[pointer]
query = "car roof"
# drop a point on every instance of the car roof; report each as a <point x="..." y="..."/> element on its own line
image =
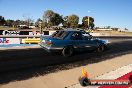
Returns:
<point x="71" y="29"/>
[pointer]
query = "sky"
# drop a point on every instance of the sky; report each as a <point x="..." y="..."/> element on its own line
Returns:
<point x="114" y="13"/>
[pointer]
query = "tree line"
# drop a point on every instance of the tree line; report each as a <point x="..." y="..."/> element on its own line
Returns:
<point x="51" y="18"/>
<point x="15" y="23"/>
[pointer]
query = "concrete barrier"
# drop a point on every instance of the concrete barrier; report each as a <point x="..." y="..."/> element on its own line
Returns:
<point x="35" y="39"/>
<point x="38" y="36"/>
<point x="33" y="36"/>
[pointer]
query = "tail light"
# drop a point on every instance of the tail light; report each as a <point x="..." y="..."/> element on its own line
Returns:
<point x="49" y="43"/>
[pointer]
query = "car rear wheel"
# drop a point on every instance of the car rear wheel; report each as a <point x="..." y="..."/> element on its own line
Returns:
<point x="67" y="51"/>
<point x="101" y="48"/>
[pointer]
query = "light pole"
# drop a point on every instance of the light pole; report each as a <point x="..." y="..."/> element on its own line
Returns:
<point x="88" y="19"/>
<point x="88" y="22"/>
<point x="40" y="27"/>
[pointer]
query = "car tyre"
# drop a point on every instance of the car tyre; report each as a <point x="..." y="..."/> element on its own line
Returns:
<point x="67" y="51"/>
<point x="101" y="48"/>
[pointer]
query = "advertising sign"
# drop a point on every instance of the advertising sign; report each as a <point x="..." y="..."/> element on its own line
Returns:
<point x="1" y="31"/>
<point x="34" y="33"/>
<point x="31" y="41"/>
<point x="24" y="32"/>
<point x="4" y="40"/>
<point x="7" y="32"/>
<point x="14" y="40"/>
<point x="9" y="41"/>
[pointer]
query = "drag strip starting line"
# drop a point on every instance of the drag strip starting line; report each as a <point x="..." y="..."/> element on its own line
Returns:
<point x="120" y="73"/>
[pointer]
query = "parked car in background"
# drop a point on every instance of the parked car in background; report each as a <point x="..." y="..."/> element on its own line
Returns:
<point x="68" y="41"/>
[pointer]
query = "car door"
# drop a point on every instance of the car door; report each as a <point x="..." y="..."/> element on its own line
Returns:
<point x="89" y="43"/>
<point x="78" y="41"/>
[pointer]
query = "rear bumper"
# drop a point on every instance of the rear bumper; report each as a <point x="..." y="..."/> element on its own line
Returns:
<point x="51" y="49"/>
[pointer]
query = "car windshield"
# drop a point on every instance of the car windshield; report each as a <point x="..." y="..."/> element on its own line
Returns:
<point x="59" y="34"/>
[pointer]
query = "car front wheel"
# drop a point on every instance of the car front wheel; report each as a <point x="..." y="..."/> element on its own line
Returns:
<point x="67" y="51"/>
<point x="101" y="48"/>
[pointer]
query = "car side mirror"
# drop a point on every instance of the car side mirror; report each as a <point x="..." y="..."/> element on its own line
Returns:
<point x="90" y="37"/>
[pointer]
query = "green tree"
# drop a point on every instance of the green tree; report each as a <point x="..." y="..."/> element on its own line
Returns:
<point x="44" y="24"/>
<point x="65" y="22"/>
<point x="48" y="14"/>
<point x="29" y="22"/>
<point x="2" y="21"/>
<point x="37" y="22"/>
<point x="126" y="29"/>
<point x="56" y="19"/>
<point x="52" y="18"/>
<point x="80" y="26"/>
<point x="9" y="22"/>
<point x="49" y="24"/>
<point x="15" y="23"/>
<point x="108" y="27"/>
<point x="71" y="21"/>
<point x="85" y="22"/>
<point x="18" y="22"/>
<point x="88" y="22"/>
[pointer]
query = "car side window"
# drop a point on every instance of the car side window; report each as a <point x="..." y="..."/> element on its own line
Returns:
<point x="77" y="36"/>
<point x="86" y="36"/>
<point x="60" y="34"/>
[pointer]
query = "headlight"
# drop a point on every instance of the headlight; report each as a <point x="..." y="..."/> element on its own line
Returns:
<point x="107" y="41"/>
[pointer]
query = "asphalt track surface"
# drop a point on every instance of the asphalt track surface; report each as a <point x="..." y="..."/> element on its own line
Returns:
<point x="27" y="63"/>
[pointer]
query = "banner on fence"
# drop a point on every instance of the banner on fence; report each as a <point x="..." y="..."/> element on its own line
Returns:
<point x="30" y="41"/>
<point x="7" y="32"/>
<point x="9" y="41"/>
